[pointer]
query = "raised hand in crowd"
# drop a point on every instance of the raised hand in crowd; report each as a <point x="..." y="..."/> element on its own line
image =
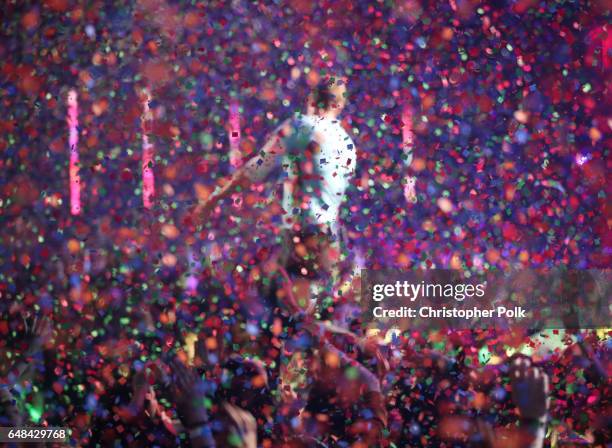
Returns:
<point x="232" y="425"/>
<point x="530" y="393"/>
<point x="39" y="331"/>
<point x="190" y="401"/>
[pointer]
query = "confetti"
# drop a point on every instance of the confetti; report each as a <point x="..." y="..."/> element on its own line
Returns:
<point x="478" y="132"/>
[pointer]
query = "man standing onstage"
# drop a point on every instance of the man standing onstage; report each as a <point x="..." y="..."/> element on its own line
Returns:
<point x="314" y="158"/>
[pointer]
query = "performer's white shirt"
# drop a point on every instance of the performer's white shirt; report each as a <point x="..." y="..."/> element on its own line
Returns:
<point x="333" y="165"/>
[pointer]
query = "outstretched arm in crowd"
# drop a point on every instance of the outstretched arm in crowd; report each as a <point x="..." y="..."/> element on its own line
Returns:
<point x="39" y="331"/>
<point x="189" y="390"/>
<point x="144" y="401"/>
<point x="373" y="419"/>
<point x="190" y="397"/>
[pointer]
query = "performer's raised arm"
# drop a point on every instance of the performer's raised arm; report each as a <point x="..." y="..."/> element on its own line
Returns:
<point x="257" y="169"/>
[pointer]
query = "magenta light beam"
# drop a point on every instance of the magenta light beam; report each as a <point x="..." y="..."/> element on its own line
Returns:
<point x="148" y="179"/>
<point x="234" y="134"/>
<point x="73" y="141"/>
<point x="407" y="147"/>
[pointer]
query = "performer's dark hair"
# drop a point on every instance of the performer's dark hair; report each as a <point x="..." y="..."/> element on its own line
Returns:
<point x="322" y="95"/>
